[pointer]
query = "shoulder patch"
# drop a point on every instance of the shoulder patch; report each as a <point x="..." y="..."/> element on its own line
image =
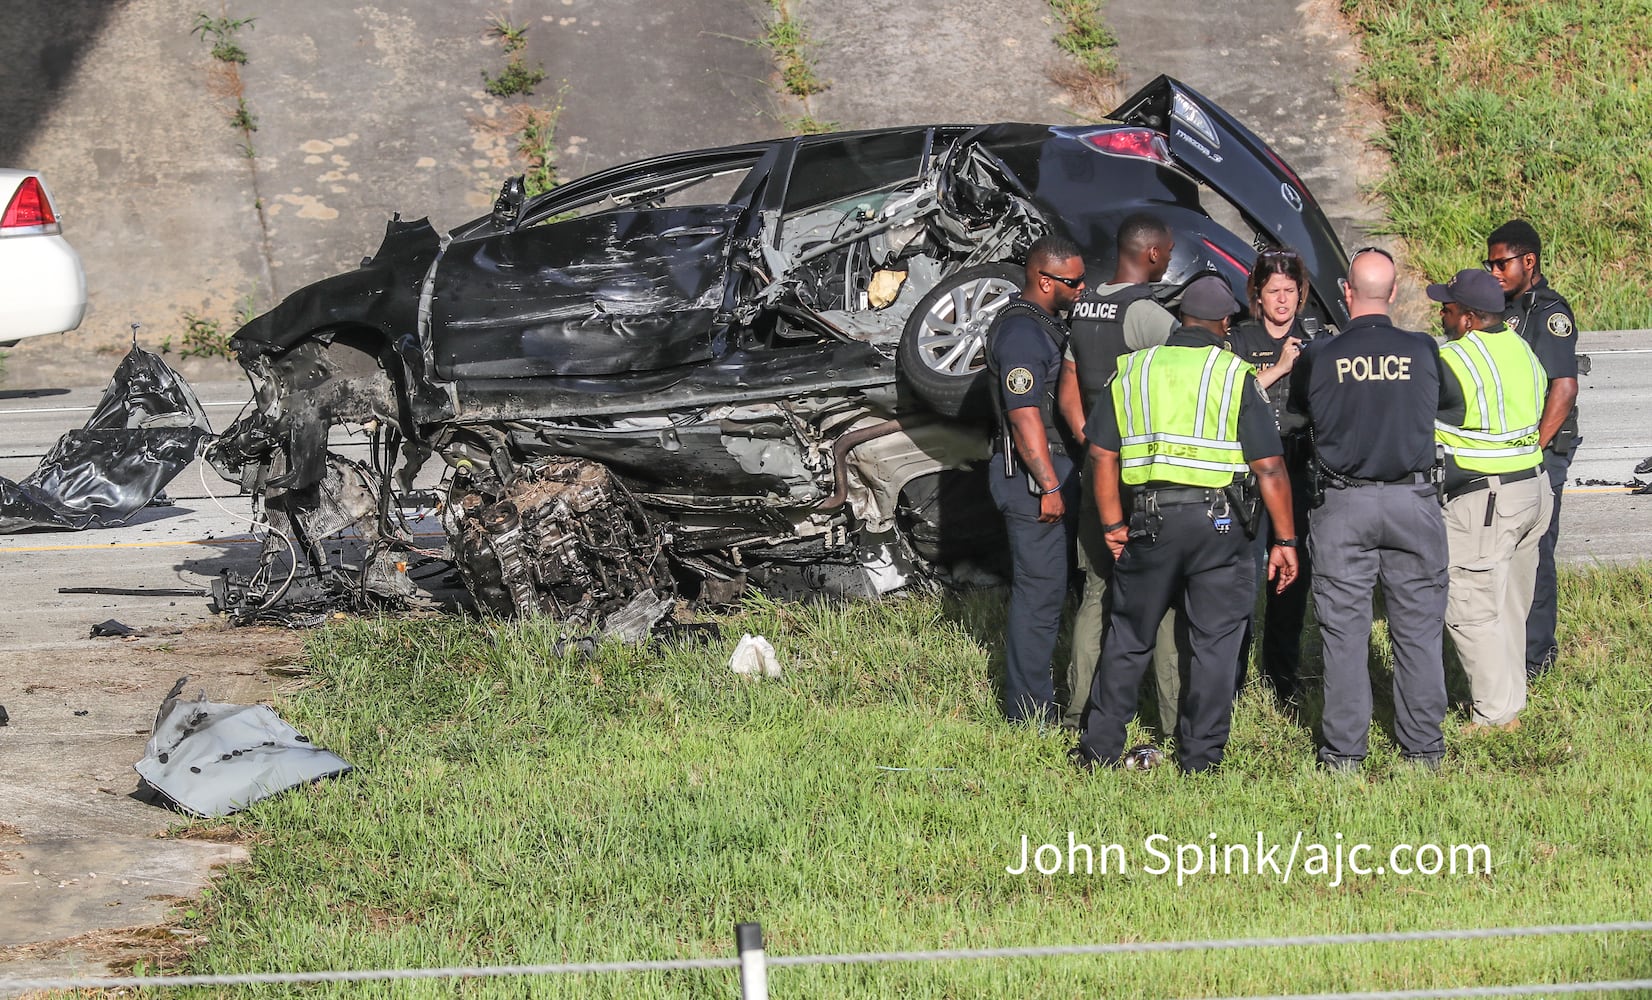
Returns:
<point x="1019" y="381"/>
<point x="1560" y="325"/>
<point x="1514" y="323"/>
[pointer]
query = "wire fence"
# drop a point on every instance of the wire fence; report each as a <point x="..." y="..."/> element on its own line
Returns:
<point x="754" y="963"/>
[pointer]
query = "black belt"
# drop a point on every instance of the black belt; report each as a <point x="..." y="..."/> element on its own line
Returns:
<point x="1353" y="482"/>
<point x="1171" y="495"/>
<point x="1484" y="482"/>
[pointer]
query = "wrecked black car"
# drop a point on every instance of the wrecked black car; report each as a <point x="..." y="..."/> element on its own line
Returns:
<point x="752" y="365"/>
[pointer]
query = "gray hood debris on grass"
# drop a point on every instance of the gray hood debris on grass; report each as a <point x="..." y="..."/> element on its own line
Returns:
<point x="214" y="759"/>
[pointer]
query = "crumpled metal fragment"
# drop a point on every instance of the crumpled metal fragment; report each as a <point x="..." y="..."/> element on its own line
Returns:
<point x="145" y="430"/>
<point x="215" y="759"/>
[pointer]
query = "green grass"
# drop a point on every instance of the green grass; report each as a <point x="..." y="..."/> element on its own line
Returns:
<point x="1085" y="36"/>
<point x="219" y="32"/>
<point x="511" y="806"/>
<point x="204" y="337"/>
<point x="789" y="42"/>
<point x="516" y="78"/>
<point x="1533" y="108"/>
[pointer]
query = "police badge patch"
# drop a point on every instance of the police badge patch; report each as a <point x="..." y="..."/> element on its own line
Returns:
<point x="1560" y="325"/>
<point x="1019" y="381"/>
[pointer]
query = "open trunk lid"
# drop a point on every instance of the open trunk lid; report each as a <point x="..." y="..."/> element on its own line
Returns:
<point x="1211" y="145"/>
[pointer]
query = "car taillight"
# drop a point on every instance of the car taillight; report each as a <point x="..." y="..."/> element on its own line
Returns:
<point x="1143" y="143"/>
<point x="29" y="210"/>
<point x="1227" y="257"/>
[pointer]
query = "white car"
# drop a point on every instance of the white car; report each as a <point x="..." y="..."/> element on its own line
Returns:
<point x="42" y="286"/>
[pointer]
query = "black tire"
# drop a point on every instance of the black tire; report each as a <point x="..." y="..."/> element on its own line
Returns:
<point x="942" y="354"/>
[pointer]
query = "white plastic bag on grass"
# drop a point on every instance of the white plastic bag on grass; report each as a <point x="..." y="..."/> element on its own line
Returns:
<point x="754" y="656"/>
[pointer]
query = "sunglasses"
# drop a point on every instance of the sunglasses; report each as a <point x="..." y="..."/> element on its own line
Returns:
<point x="1498" y="263"/>
<point x="1278" y="255"/>
<point x="1365" y="250"/>
<point x="1074" y="283"/>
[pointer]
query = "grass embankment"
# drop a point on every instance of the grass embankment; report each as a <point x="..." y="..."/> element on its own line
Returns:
<point x="1533" y="108"/>
<point x="513" y="807"/>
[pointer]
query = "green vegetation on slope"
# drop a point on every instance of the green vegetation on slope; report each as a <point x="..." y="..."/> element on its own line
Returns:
<point x="1533" y="108"/>
<point x="513" y="806"/>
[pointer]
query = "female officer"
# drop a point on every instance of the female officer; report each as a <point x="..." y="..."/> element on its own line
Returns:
<point x="1271" y="340"/>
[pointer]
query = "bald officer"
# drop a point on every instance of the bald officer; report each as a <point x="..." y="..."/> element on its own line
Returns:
<point x="1370" y="395"/>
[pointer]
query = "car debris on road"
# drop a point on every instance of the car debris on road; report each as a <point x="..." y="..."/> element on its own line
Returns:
<point x="146" y="428"/>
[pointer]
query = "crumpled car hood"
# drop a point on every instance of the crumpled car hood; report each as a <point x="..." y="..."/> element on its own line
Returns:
<point x="215" y="759"/>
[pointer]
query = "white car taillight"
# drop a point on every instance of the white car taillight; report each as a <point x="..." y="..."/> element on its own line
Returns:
<point x="30" y="212"/>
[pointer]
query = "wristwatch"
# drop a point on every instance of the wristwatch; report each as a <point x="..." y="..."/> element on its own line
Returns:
<point x="1108" y="529"/>
<point x="1054" y="489"/>
<point x="1285" y="543"/>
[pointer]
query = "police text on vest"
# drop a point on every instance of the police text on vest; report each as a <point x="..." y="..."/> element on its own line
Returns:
<point x="1373" y="368"/>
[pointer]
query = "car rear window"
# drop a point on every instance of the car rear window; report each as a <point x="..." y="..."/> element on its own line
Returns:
<point x="841" y="167"/>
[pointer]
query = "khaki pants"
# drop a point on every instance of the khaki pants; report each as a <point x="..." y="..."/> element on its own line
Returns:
<point x="1493" y="574"/>
<point x="1091" y="620"/>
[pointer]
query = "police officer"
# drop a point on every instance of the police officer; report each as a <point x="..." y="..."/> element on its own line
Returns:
<point x="1370" y="395"/>
<point x="1031" y="477"/>
<point x="1514" y="256"/>
<point x="1180" y="425"/>
<point x="1497" y="506"/>
<point x="1271" y="340"/>
<point x="1107" y="322"/>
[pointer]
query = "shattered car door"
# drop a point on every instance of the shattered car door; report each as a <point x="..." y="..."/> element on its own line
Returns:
<point x="619" y="291"/>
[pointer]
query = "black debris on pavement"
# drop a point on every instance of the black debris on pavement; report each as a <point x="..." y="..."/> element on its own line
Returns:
<point x="82" y="713"/>
<point x="5" y="717"/>
<point x="145" y="430"/>
<point x="112" y="629"/>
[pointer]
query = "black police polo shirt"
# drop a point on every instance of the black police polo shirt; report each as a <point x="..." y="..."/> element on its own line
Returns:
<point x="1370" y="394"/>
<point x="1252" y="342"/>
<point x="1543" y="317"/>
<point x="1028" y="362"/>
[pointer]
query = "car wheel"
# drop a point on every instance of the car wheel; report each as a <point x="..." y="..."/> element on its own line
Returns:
<point x="942" y="352"/>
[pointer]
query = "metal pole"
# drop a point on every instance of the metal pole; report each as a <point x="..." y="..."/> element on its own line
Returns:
<point x="754" y="970"/>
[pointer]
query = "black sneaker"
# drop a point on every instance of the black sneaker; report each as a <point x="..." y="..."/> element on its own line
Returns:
<point x="1143" y="758"/>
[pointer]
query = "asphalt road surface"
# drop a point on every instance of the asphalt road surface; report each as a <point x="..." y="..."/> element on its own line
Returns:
<point x="176" y="551"/>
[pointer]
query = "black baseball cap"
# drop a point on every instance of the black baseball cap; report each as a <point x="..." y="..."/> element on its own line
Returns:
<point x="1210" y="297"/>
<point x="1472" y="288"/>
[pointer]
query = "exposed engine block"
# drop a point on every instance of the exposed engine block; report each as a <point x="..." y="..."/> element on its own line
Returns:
<point x="564" y="538"/>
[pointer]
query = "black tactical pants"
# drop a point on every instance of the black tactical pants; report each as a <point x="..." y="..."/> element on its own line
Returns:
<point x="1213" y="573"/>
<point x="1039" y="555"/>
<point x="1541" y="647"/>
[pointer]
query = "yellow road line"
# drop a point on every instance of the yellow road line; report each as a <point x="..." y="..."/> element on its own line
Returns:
<point x="130" y="545"/>
<point x="227" y="540"/>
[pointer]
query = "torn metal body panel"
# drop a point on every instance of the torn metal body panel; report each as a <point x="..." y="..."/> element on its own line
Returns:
<point x="146" y="428"/>
<point x="753" y="365"/>
<point x="215" y="759"/>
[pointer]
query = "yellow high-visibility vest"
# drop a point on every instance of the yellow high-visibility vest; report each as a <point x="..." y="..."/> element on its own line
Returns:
<point x="1178" y="415"/>
<point x="1503" y="388"/>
